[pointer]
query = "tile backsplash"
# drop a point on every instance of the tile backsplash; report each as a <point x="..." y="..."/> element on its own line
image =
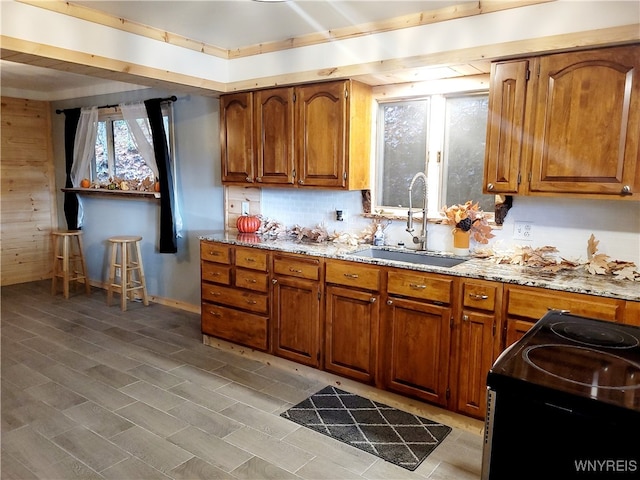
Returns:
<point x="565" y="223"/>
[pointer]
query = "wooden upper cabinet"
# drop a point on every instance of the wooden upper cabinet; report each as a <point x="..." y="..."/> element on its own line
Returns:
<point x="566" y="124"/>
<point x="315" y="135"/>
<point x="587" y="123"/>
<point x="236" y="137"/>
<point x="321" y="125"/>
<point x="274" y="117"/>
<point x="505" y="128"/>
<point x="333" y="125"/>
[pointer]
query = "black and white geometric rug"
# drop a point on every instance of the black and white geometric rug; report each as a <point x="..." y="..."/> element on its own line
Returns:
<point x="391" y="434"/>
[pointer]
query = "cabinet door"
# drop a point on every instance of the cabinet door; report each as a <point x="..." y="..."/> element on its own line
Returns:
<point x="476" y="355"/>
<point x="505" y="128"/>
<point x="417" y="349"/>
<point x="587" y="125"/>
<point x="236" y="137"/>
<point x="296" y="320"/>
<point x="351" y="339"/>
<point x="274" y="116"/>
<point x="321" y="126"/>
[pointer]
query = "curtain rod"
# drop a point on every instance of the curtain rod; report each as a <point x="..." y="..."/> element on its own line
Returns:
<point x="172" y="98"/>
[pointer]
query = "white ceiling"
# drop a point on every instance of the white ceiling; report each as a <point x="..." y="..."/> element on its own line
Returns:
<point x="227" y="24"/>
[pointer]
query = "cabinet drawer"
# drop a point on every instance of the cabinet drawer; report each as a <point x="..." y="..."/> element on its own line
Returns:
<point x="297" y="267"/>
<point x="214" y="272"/>
<point x="534" y="304"/>
<point x="480" y="295"/>
<point x="233" y="297"/>
<point x="238" y="327"/>
<point x="352" y="274"/>
<point x="252" y="258"/>
<point x="215" y="252"/>
<point x="425" y="287"/>
<point x="252" y="280"/>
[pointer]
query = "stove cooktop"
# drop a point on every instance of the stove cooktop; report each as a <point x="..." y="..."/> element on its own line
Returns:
<point x="577" y="355"/>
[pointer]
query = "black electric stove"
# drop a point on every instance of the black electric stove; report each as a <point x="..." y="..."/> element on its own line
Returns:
<point x="563" y="402"/>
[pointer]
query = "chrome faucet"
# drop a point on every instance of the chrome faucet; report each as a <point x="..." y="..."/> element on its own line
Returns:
<point x="422" y="239"/>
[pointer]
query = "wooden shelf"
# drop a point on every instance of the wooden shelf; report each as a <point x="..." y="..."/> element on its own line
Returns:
<point x="110" y="193"/>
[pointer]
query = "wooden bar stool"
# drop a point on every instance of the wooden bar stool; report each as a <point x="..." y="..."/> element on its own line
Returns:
<point x="125" y="255"/>
<point x="68" y="261"/>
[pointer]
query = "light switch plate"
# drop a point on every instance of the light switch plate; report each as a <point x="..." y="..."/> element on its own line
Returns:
<point x="523" y="231"/>
<point x="245" y="208"/>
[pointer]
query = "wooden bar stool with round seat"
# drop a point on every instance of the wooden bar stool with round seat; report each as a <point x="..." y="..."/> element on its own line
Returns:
<point x="68" y="261"/>
<point x="125" y="256"/>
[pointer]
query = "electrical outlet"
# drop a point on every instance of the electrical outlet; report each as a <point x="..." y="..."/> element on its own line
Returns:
<point x="245" y="208"/>
<point x="523" y="231"/>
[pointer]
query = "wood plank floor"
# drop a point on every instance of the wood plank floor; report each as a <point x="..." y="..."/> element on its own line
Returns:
<point x="91" y="392"/>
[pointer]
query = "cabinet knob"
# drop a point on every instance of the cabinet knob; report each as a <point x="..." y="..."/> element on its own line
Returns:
<point x="465" y="318"/>
<point x="249" y="180"/>
<point x="372" y="300"/>
<point x="490" y="186"/>
<point x="626" y="190"/>
<point x="258" y="179"/>
<point x="389" y="302"/>
<point x="300" y="182"/>
<point x="274" y="281"/>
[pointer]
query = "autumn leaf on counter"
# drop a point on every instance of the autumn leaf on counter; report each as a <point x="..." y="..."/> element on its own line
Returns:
<point x="627" y="273"/>
<point x="592" y="246"/>
<point x="598" y="264"/>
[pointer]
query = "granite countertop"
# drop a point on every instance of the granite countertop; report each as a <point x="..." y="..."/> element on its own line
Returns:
<point x="578" y="280"/>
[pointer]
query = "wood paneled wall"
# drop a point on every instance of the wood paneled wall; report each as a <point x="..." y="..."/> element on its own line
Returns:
<point x="28" y="205"/>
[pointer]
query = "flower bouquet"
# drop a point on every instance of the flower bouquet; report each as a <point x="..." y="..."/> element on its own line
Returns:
<point x="468" y="217"/>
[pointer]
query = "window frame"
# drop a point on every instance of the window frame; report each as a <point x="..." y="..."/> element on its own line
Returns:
<point x="114" y="114"/>
<point x="438" y="90"/>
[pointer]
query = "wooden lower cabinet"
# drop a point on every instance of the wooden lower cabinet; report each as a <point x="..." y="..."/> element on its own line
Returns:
<point x="416" y="357"/>
<point x="351" y="338"/>
<point x="524" y="306"/>
<point x="234" y="286"/>
<point x="296" y="309"/>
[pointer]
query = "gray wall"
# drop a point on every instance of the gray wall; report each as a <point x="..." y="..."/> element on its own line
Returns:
<point x="170" y="276"/>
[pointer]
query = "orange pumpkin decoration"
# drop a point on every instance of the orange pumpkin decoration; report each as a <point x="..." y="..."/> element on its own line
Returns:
<point x="156" y="186"/>
<point x="85" y="183"/>
<point x="248" y="223"/>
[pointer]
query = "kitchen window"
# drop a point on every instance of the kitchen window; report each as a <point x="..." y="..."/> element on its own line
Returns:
<point x="440" y="135"/>
<point x="116" y="153"/>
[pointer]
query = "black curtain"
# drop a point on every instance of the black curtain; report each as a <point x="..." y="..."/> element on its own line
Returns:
<point x="71" y="119"/>
<point x="167" y="197"/>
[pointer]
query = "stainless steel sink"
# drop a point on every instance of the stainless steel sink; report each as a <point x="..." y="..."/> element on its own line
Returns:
<point x="421" y="258"/>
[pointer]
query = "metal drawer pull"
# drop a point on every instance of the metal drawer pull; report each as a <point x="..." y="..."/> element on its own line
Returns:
<point x="351" y="275"/>
<point x="215" y="314"/>
<point x="417" y="286"/>
<point x="559" y="310"/>
<point x="250" y="280"/>
<point x="389" y="302"/>
<point x="215" y="294"/>
<point x="477" y="296"/>
<point x="249" y="259"/>
<point x="215" y="274"/>
<point x="372" y="300"/>
<point x="465" y="318"/>
<point x="251" y="302"/>
<point x="215" y="254"/>
<point x="293" y="270"/>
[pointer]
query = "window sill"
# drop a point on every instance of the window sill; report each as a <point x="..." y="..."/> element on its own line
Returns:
<point x="112" y="193"/>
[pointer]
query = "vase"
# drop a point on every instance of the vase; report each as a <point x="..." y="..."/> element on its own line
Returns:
<point x="461" y="242"/>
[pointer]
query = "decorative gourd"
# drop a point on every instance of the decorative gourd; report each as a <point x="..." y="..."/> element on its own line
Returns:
<point x="248" y="223"/>
<point x="85" y="183"/>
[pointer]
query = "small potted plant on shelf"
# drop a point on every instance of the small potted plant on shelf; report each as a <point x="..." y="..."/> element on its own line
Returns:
<point x="469" y="222"/>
